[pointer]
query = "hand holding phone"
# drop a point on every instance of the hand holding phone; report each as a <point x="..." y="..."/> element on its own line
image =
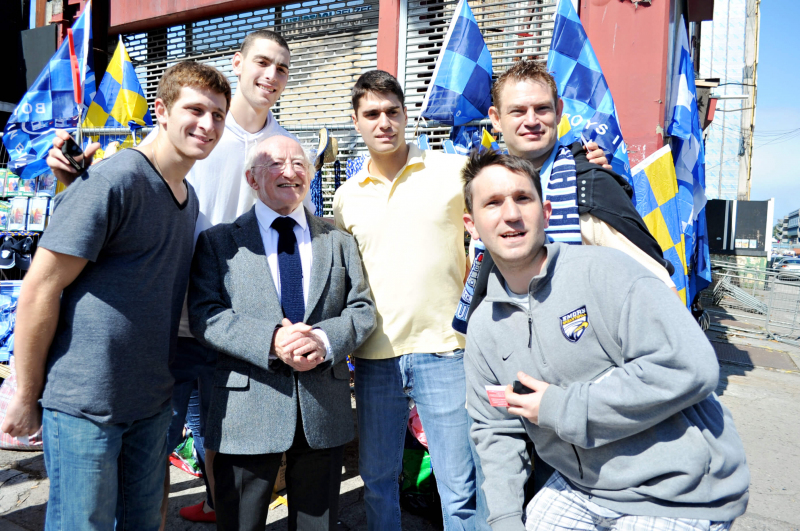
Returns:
<point x="74" y="154"/>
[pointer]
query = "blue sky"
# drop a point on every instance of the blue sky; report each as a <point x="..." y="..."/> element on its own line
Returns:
<point x="776" y="168"/>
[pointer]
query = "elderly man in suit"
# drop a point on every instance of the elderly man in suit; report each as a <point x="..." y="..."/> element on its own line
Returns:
<point x="283" y="297"/>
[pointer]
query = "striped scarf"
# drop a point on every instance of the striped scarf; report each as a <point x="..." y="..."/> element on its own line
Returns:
<point x="562" y="192"/>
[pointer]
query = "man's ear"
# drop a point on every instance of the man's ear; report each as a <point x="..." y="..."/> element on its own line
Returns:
<point x="559" y="110"/>
<point x="355" y="123"/>
<point x="494" y="116"/>
<point x="237" y="60"/>
<point x="547" y="211"/>
<point x="469" y="224"/>
<point x="162" y="114"/>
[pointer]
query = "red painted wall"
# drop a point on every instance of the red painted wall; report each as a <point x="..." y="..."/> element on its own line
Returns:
<point x="388" y="35"/>
<point x="129" y="16"/>
<point x="632" y="46"/>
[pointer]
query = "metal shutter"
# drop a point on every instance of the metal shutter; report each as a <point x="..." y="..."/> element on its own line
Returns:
<point x="512" y="30"/>
<point x="332" y="43"/>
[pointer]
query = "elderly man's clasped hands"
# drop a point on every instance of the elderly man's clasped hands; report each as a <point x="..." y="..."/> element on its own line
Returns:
<point x="297" y="346"/>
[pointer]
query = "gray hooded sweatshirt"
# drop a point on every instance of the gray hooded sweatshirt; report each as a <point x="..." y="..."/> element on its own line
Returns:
<point x="630" y="417"/>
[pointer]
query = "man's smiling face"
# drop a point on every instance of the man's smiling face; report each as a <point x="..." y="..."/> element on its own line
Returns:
<point x="281" y="173"/>
<point x="262" y="73"/>
<point x="195" y="122"/>
<point x="528" y="117"/>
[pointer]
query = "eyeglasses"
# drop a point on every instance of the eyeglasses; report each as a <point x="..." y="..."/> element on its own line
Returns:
<point x="278" y="167"/>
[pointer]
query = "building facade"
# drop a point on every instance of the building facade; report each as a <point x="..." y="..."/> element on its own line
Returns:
<point x="729" y="53"/>
<point x="790" y="229"/>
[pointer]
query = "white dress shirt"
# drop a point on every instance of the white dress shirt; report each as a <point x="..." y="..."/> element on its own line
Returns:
<point x="269" y="236"/>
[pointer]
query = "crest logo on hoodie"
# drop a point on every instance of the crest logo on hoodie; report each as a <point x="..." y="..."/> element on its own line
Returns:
<point x="574" y="324"/>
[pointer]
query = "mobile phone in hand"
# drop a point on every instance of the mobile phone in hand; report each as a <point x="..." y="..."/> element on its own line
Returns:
<point x="521" y="389"/>
<point x="74" y="154"/>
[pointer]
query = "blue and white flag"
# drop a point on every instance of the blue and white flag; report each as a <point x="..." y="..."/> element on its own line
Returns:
<point x="689" y="154"/>
<point x="459" y="91"/>
<point x="50" y="103"/>
<point x="589" y="111"/>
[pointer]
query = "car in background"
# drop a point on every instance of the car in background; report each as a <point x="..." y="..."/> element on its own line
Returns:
<point x="788" y="269"/>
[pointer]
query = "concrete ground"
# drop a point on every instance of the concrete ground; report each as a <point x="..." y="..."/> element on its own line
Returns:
<point x="765" y="403"/>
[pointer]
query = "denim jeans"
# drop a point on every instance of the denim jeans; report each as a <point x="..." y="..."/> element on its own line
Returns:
<point x="104" y="476"/>
<point x="437" y="385"/>
<point x="193" y="369"/>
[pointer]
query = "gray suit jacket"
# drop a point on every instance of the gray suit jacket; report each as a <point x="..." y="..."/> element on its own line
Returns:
<point x="234" y="308"/>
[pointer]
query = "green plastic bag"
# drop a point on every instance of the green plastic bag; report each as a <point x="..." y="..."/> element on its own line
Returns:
<point x="417" y="476"/>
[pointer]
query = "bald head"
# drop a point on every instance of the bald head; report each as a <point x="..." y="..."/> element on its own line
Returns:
<point x="279" y="172"/>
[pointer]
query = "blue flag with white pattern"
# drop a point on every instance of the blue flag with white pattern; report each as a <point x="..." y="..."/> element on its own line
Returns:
<point x="589" y="110"/>
<point x="689" y="154"/>
<point x="459" y="91"/>
<point x="50" y="103"/>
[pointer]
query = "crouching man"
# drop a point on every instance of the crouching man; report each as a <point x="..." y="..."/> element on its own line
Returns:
<point x="283" y="297"/>
<point x="616" y="379"/>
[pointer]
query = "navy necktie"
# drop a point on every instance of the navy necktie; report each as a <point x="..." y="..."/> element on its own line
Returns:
<point x="291" y="270"/>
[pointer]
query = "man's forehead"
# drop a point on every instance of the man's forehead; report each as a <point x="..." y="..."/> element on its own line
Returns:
<point x="379" y="101"/>
<point x="201" y="96"/>
<point x="525" y="92"/>
<point x="497" y="178"/>
<point x="268" y="49"/>
<point x="279" y="147"/>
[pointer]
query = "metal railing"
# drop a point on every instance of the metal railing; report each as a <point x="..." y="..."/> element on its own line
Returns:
<point x="767" y="301"/>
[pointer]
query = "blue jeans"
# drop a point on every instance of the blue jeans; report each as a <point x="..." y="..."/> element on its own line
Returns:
<point x="437" y="385"/>
<point x="104" y="476"/>
<point x="193" y="369"/>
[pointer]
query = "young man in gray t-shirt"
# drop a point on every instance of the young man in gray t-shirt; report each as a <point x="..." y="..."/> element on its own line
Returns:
<point x="99" y="310"/>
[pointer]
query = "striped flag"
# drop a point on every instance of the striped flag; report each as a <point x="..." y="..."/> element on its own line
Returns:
<point x="689" y="153"/>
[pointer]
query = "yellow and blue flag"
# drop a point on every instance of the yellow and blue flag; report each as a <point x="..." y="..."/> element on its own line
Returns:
<point x="689" y="151"/>
<point x="459" y="91"/>
<point x="589" y="110"/>
<point x="655" y="190"/>
<point x="465" y="138"/>
<point x="488" y="141"/>
<point x="119" y="99"/>
<point x="50" y="102"/>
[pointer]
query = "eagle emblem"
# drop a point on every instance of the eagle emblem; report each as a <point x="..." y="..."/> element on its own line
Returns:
<point x="574" y="324"/>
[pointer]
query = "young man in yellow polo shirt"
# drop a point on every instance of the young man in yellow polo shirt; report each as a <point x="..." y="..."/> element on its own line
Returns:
<point x="405" y="210"/>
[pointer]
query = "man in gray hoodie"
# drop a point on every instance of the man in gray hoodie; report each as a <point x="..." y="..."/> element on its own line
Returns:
<point x="616" y="379"/>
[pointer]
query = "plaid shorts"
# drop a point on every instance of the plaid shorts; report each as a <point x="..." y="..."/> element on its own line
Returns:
<point x="558" y="507"/>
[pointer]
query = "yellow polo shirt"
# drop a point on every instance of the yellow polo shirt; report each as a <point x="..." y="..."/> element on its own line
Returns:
<point x="411" y="236"/>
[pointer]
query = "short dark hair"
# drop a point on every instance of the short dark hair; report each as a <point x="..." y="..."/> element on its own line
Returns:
<point x="479" y="160"/>
<point x="262" y="34"/>
<point x="194" y="75"/>
<point x="524" y="70"/>
<point x="378" y="82"/>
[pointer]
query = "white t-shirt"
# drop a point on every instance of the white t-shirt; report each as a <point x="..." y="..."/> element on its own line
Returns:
<point x="519" y="298"/>
<point x="220" y="183"/>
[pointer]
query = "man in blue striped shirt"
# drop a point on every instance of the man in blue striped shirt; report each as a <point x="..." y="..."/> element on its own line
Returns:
<point x="591" y="204"/>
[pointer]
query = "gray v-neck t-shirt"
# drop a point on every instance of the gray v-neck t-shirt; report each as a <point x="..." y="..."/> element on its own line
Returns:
<point x="118" y="320"/>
